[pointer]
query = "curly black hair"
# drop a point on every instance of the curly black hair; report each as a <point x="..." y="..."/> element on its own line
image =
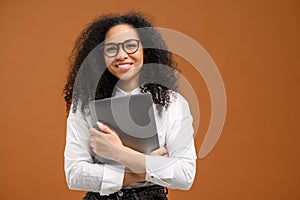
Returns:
<point x="88" y="78"/>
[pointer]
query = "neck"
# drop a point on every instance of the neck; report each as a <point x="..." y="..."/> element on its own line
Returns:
<point x="127" y="86"/>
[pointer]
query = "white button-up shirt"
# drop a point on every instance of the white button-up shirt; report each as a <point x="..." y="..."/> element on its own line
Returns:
<point x="175" y="133"/>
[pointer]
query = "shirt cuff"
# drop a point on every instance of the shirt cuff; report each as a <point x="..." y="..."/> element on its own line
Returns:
<point x="112" y="180"/>
<point x="159" y="169"/>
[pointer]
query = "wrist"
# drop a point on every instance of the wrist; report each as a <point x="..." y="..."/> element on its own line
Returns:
<point x="132" y="159"/>
<point x="122" y="154"/>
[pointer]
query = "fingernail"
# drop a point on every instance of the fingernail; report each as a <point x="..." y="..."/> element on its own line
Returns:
<point x="99" y="124"/>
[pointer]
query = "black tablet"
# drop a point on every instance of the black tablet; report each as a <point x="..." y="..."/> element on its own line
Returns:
<point x="132" y="117"/>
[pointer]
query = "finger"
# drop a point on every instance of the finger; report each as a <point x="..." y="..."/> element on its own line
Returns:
<point x="152" y="153"/>
<point x="162" y="151"/>
<point x="95" y="132"/>
<point x="102" y="127"/>
<point x="157" y="152"/>
<point x="105" y="128"/>
<point x="92" y="134"/>
<point x="166" y="155"/>
<point x="92" y="143"/>
<point x="92" y="139"/>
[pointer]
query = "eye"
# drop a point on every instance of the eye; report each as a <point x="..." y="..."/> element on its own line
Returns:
<point x="131" y="45"/>
<point x="110" y="48"/>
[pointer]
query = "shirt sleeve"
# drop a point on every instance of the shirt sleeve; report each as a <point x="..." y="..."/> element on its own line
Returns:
<point x="80" y="170"/>
<point x="178" y="170"/>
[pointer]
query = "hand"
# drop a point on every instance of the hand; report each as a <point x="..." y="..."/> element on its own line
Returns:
<point x="105" y="143"/>
<point x="162" y="151"/>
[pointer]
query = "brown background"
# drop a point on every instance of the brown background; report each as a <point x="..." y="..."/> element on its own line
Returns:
<point x="255" y="45"/>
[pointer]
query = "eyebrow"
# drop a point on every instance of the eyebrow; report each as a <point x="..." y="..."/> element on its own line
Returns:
<point x="111" y="42"/>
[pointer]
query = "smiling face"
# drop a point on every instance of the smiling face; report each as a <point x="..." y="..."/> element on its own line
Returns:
<point x="126" y="63"/>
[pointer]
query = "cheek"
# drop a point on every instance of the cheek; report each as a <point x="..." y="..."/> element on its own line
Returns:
<point x="108" y="61"/>
<point x="140" y="57"/>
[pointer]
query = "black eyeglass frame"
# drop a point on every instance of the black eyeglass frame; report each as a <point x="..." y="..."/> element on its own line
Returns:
<point x="123" y="47"/>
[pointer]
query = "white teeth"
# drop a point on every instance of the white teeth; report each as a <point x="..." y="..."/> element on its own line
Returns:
<point x="124" y="66"/>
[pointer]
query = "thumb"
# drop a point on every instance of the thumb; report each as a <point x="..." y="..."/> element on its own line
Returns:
<point x="104" y="128"/>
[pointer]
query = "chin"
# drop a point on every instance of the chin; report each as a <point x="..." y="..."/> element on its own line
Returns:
<point x="126" y="76"/>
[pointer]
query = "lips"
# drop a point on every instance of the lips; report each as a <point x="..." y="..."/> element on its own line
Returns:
<point x="123" y="66"/>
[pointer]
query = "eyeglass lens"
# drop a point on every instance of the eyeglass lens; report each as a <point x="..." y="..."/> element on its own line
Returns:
<point x="129" y="46"/>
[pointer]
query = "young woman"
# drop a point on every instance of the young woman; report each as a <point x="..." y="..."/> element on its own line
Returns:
<point x="119" y="55"/>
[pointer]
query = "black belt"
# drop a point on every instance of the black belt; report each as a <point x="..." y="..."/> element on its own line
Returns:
<point x="156" y="191"/>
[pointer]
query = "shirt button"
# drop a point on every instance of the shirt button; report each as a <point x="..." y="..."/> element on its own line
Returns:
<point x="120" y="193"/>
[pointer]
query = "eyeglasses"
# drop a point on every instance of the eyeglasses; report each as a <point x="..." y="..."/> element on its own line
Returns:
<point x="129" y="46"/>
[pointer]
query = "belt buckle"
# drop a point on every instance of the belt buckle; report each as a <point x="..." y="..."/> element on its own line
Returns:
<point x="120" y="193"/>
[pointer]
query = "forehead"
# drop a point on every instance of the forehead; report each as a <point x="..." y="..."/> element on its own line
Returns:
<point x="120" y="33"/>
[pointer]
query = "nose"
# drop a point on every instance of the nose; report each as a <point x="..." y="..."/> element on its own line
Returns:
<point x="121" y="54"/>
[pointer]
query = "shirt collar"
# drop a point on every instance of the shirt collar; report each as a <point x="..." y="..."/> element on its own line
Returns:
<point x="119" y="92"/>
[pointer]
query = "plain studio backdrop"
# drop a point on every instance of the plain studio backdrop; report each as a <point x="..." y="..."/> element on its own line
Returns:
<point x="255" y="45"/>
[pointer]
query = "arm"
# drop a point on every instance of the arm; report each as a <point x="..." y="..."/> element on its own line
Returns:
<point x="107" y="144"/>
<point x="130" y="177"/>
<point x="80" y="170"/>
<point x="177" y="171"/>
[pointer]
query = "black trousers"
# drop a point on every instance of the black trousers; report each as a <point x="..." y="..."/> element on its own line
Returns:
<point x="153" y="192"/>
